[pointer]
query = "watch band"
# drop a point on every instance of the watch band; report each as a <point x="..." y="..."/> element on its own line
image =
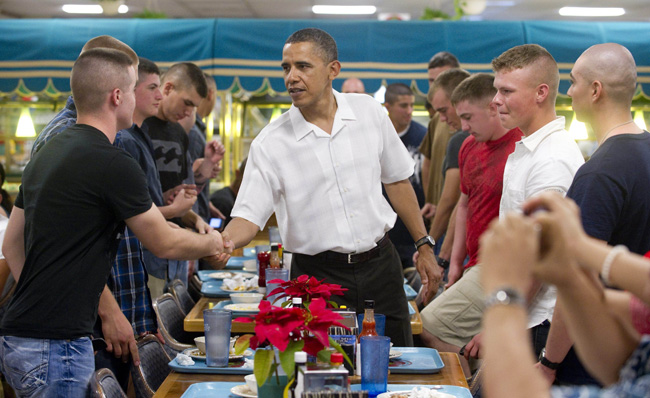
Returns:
<point x="544" y="361"/>
<point x="426" y="240"/>
<point x="504" y="296"/>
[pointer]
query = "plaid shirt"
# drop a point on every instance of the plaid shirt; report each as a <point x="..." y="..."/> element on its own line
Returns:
<point x="128" y="278"/>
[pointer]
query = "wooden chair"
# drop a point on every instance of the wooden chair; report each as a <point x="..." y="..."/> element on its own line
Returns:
<point x="153" y="368"/>
<point x="103" y="384"/>
<point x="170" y="322"/>
<point x="180" y="293"/>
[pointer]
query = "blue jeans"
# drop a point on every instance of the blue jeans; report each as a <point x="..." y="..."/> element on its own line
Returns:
<point x="47" y="368"/>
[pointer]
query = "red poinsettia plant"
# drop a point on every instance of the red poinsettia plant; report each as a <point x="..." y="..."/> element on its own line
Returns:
<point x="307" y="288"/>
<point x="289" y="330"/>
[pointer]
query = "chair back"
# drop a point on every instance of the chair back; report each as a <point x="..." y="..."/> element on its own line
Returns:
<point x="179" y="291"/>
<point x="103" y="384"/>
<point x="153" y="368"/>
<point x="194" y="288"/>
<point x="170" y="322"/>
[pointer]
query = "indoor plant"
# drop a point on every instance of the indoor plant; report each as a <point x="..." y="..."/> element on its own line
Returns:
<point x="289" y="330"/>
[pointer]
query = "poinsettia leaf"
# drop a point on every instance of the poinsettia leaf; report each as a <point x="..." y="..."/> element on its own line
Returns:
<point x="287" y="357"/>
<point x="262" y="365"/>
<point x="324" y="356"/>
<point x="242" y="343"/>
<point x="338" y="348"/>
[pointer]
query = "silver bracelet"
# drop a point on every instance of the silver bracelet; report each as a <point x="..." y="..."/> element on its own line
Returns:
<point x="607" y="264"/>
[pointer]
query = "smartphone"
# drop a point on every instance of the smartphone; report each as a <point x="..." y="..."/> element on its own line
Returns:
<point x="99" y="344"/>
<point x="216" y="223"/>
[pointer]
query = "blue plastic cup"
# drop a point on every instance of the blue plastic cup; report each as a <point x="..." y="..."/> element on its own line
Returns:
<point x="380" y="323"/>
<point x="375" y="351"/>
<point x="217" y="337"/>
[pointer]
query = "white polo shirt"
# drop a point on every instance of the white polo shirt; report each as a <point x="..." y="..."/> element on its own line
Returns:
<point x="546" y="160"/>
<point x="325" y="189"/>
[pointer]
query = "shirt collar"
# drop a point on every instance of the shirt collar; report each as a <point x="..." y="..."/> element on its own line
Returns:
<point x="302" y="128"/>
<point x="532" y="141"/>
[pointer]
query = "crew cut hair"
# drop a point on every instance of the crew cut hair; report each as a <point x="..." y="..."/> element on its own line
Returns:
<point x="321" y="39"/>
<point x="393" y="91"/>
<point x="106" y="41"/>
<point x="448" y="81"/>
<point x="443" y="58"/>
<point x="147" y="67"/>
<point x="95" y="74"/>
<point x="545" y="69"/>
<point x="476" y="88"/>
<point x="186" y="75"/>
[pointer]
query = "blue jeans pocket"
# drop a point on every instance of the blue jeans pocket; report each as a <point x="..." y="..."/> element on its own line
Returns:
<point x="25" y="363"/>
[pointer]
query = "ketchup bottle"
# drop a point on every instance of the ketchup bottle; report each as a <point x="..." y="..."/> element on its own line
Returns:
<point x="262" y="265"/>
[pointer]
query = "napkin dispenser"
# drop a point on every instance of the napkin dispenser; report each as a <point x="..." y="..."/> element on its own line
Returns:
<point x="319" y="380"/>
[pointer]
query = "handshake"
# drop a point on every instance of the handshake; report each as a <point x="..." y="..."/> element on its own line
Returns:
<point x="542" y="243"/>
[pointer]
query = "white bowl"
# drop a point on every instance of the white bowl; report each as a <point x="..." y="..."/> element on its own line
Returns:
<point x="250" y="265"/>
<point x="200" y="343"/>
<point x="246" y="298"/>
<point x="251" y="383"/>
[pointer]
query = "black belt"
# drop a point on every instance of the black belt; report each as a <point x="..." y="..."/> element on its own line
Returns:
<point x="352" y="258"/>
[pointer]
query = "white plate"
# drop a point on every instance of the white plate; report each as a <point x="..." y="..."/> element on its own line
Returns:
<point x="196" y="354"/>
<point x="242" y="290"/>
<point x="226" y="274"/>
<point x="394" y="354"/>
<point x="243" y="307"/>
<point x="407" y="393"/>
<point x="243" y="391"/>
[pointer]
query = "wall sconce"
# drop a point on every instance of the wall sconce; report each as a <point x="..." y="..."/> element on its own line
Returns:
<point x="578" y="130"/>
<point x="639" y="119"/>
<point x="25" y="125"/>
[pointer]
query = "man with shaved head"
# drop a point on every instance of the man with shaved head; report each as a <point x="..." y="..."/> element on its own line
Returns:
<point x="353" y="85"/>
<point x="612" y="187"/>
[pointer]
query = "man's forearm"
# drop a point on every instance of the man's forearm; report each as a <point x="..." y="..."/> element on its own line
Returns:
<point x="405" y="203"/>
<point x="240" y="231"/>
<point x="459" y="248"/>
<point x="508" y="352"/>
<point x="448" y="243"/>
<point x="602" y="343"/>
<point x="107" y="305"/>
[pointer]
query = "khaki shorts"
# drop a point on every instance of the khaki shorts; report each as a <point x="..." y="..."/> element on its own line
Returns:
<point x="455" y="316"/>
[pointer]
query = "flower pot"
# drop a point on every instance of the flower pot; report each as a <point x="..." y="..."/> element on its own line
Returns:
<point x="271" y="388"/>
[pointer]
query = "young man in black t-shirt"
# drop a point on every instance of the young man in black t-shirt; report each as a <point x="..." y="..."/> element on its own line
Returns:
<point x="76" y="194"/>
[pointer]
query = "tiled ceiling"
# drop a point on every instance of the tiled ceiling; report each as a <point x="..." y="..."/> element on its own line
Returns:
<point x="636" y="10"/>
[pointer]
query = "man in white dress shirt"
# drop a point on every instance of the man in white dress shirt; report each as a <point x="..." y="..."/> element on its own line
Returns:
<point x="546" y="159"/>
<point x="320" y="167"/>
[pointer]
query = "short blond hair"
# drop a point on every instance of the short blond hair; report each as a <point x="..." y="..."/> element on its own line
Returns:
<point x="95" y="74"/>
<point x="476" y="88"/>
<point x="106" y="41"/>
<point x="531" y="56"/>
<point x="447" y="81"/>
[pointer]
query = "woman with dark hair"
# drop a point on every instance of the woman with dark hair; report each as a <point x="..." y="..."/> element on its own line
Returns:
<point x="6" y="204"/>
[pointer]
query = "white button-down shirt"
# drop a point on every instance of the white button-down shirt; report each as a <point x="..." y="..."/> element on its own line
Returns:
<point x="325" y="188"/>
<point x="546" y="160"/>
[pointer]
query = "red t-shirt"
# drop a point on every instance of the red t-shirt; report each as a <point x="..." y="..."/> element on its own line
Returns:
<point x="481" y="179"/>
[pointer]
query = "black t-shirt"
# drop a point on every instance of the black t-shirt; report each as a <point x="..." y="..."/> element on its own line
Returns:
<point x="76" y="192"/>
<point x="170" y="144"/>
<point x="612" y="191"/>
<point x="453" y="148"/>
<point x="224" y="200"/>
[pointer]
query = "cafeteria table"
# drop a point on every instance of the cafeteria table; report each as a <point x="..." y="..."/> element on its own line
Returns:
<point x="452" y="374"/>
<point x="194" y="320"/>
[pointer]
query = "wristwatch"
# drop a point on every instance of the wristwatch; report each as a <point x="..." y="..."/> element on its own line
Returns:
<point x="504" y="296"/>
<point x="544" y="361"/>
<point x="427" y="240"/>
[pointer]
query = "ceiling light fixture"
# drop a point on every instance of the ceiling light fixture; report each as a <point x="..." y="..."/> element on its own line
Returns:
<point x="83" y="8"/>
<point x="344" y="10"/>
<point x="123" y="9"/>
<point x="592" y="11"/>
